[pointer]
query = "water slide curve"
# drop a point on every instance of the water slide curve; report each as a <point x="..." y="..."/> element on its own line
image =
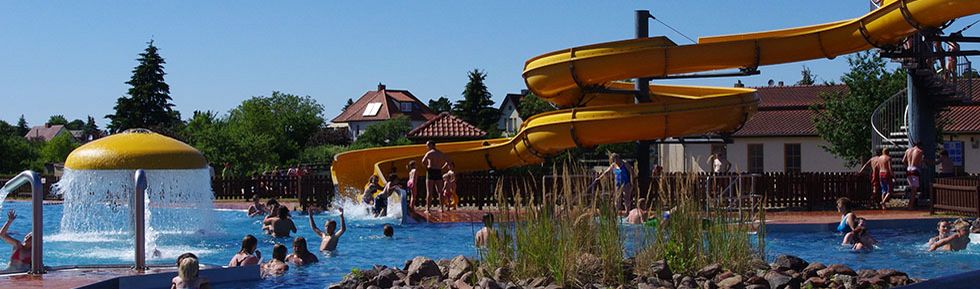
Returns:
<point x="584" y="80"/>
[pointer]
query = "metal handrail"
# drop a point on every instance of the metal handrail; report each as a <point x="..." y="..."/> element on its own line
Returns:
<point x="139" y="220"/>
<point x="877" y="116"/>
<point x="37" y="215"/>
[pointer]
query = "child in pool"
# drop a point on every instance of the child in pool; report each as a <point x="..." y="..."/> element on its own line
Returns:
<point x="860" y="238"/>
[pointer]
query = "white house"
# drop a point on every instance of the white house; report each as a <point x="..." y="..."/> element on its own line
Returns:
<point x="380" y="105"/>
<point x="510" y="119"/>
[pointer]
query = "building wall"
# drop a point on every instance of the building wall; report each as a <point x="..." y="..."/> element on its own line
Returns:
<point x="813" y="158"/>
<point x="971" y="151"/>
<point x="356" y="128"/>
<point x="509" y="112"/>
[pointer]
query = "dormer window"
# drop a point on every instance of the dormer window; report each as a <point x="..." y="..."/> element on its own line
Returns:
<point x="406" y="106"/>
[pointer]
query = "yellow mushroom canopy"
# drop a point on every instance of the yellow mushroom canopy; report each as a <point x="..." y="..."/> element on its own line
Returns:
<point x="135" y="149"/>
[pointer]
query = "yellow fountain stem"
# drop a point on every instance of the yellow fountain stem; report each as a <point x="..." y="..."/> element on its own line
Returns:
<point x="135" y="149"/>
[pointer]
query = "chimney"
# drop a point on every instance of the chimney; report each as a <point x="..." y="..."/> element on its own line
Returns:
<point x="780" y="83"/>
<point x="738" y="83"/>
<point x="47" y="125"/>
<point x="381" y="86"/>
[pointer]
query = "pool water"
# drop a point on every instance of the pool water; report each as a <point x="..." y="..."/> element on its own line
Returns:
<point x="363" y="246"/>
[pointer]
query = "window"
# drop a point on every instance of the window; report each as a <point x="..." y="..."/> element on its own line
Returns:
<point x="755" y="158"/>
<point x="372" y="109"/>
<point x="513" y="124"/>
<point x="405" y="106"/>
<point x="791" y="154"/>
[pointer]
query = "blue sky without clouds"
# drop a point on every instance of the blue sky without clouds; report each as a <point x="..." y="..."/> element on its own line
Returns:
<point x="73" y="57"/>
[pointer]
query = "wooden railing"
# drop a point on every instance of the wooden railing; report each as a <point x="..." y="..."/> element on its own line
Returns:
<point x="808" y="191"/>
<point x="960" y="195"/>
<point x="306" y="188"/>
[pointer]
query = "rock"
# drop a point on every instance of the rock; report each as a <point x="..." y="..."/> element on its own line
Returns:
<point x="708" y="284"/>
<point x="849" y="281"/>
<point x="898" y="280"/>
<point x="815" y="282"/>
<point x="373" y="287"/>
<point x="778" y="280"/>
<point x="458" y="266"/>
<point x="501" y="274"/>
<point x="422" y="268"/>
<point x="553" y="286"/>
<point x="885" y="273"/>
<point x="731" y="282"/>
<point x="644" y="286"/>
<point x="724" y="275"/>
<point x="758" y="264"/>
<point x="385" y="278"/>
<point x="397" y="283"/>
<point x="791" y="262"/>
<point x="811" y="270"/>
<point x="757" y="280"/>
<point x="335" y="286"/>
<point x="756" y="286"/>
<point x="407" y="264"/>
<point x="709" y="271"/>
<point x="836" y="269"/>
<point x="688" y="281"/>
<point x="466" y="278"/>
<point x="540" y="282"/>
<point x="865" y="273"/>
<point x="443" y="266"/>
<point x="487" y="283"/>
<point x="661" y="270"/>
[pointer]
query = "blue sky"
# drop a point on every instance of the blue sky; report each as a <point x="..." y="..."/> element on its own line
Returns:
<point x="73" y="57"/>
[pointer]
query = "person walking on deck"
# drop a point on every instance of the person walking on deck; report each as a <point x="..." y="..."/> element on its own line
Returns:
<point x="434" y="160"/>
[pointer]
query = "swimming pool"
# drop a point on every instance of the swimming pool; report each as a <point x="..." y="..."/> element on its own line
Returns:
<point x="363" y="246"/>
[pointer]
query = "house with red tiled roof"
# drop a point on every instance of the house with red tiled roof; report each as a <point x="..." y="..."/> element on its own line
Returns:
<point x="445" y="127"/>
<point x="46" y="132"/>
<point x="781" y="136"/>
<point x="380" y="105"/>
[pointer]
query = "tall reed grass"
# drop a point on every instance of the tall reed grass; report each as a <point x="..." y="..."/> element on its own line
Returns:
<point x="570" y="230"/>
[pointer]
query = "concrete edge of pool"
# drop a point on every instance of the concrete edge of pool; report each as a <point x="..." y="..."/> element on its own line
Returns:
<point x="113" y="277"/>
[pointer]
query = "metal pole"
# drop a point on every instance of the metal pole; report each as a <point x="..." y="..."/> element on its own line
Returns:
<point x="139" y="219"/>
<point x="37" y="223"/>
<point x="642" y="96"/>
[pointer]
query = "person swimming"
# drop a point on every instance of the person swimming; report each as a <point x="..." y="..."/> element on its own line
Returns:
<point x="277" y="266"/>
<point x="329" y="239"/>
<point x="256" y="209"/>
<point x="860" y="239"/>
<point x="848" y="221"/>
<point x="637" y="215"/>
<point x="956" y="241"/>
<point x="20" y="258"/>
<point x="247" y="255"/>
<point x="389" y="231"/>
<point x="301" y="256"/>
<point x="942" y="229"/>
<point x="187" y="275"/>
<point x="381" y="201"/>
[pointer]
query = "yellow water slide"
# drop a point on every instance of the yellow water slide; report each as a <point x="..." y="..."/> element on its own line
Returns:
<point x="583" y="80"/>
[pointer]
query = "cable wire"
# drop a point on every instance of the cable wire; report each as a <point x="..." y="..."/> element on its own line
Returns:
<point x="672" y="28"/>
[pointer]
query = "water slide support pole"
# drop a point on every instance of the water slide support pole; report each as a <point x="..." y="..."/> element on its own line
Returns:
<point x="642" y="96"/>
<point x="139" y="220"/>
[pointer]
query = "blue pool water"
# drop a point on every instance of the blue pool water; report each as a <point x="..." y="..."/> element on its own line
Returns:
<point x="363" y="246"/>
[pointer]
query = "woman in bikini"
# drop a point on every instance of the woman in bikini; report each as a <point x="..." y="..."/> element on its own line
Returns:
<point x="20" y="259"/>
<point x="247" y="255"/>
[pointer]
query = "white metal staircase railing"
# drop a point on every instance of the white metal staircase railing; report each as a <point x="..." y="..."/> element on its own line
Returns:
<point x="889" y="117"/>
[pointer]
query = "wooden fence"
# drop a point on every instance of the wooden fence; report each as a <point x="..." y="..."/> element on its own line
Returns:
<point x="306" y="188"/>
<point x="807" y="191"/>
<point x="960" y="195"/>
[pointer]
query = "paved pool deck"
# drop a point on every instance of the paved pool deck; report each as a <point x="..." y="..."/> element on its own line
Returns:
<point x="70" y="278"/>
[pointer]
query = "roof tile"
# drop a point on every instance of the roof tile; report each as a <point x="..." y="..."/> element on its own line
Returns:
<point x="445" y="126"/>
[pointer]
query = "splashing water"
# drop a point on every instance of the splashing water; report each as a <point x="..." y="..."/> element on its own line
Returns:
<point x="99" y="202"/>
<point x="3" y="196"/>
<point x="356" y="210"/>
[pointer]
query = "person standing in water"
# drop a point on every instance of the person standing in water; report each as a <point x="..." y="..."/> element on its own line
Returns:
<point x="20" y="258"/>
<point x="381" y="201"/>
<point x="256" y="209"/>
<point x="434" y="160"/>
<point x="187" y="275"/>
<point x="483" y="235"/>
<point x="301" y="256"/>
<point x="637" y="215"/>
<point x="277" y="266"/>
<point x="330" y="238"/>
<point x="281" y="225"/>
<point x="623" y="175"/>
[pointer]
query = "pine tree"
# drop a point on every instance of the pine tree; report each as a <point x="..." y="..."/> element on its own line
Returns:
<point x="476" y="107"/>
<point x="808" y="77"/>
<point x="22" y="128"/>
<point x="149" y="103"/>
<point x="91" y="129"/>
<point x="349" y="103"/>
